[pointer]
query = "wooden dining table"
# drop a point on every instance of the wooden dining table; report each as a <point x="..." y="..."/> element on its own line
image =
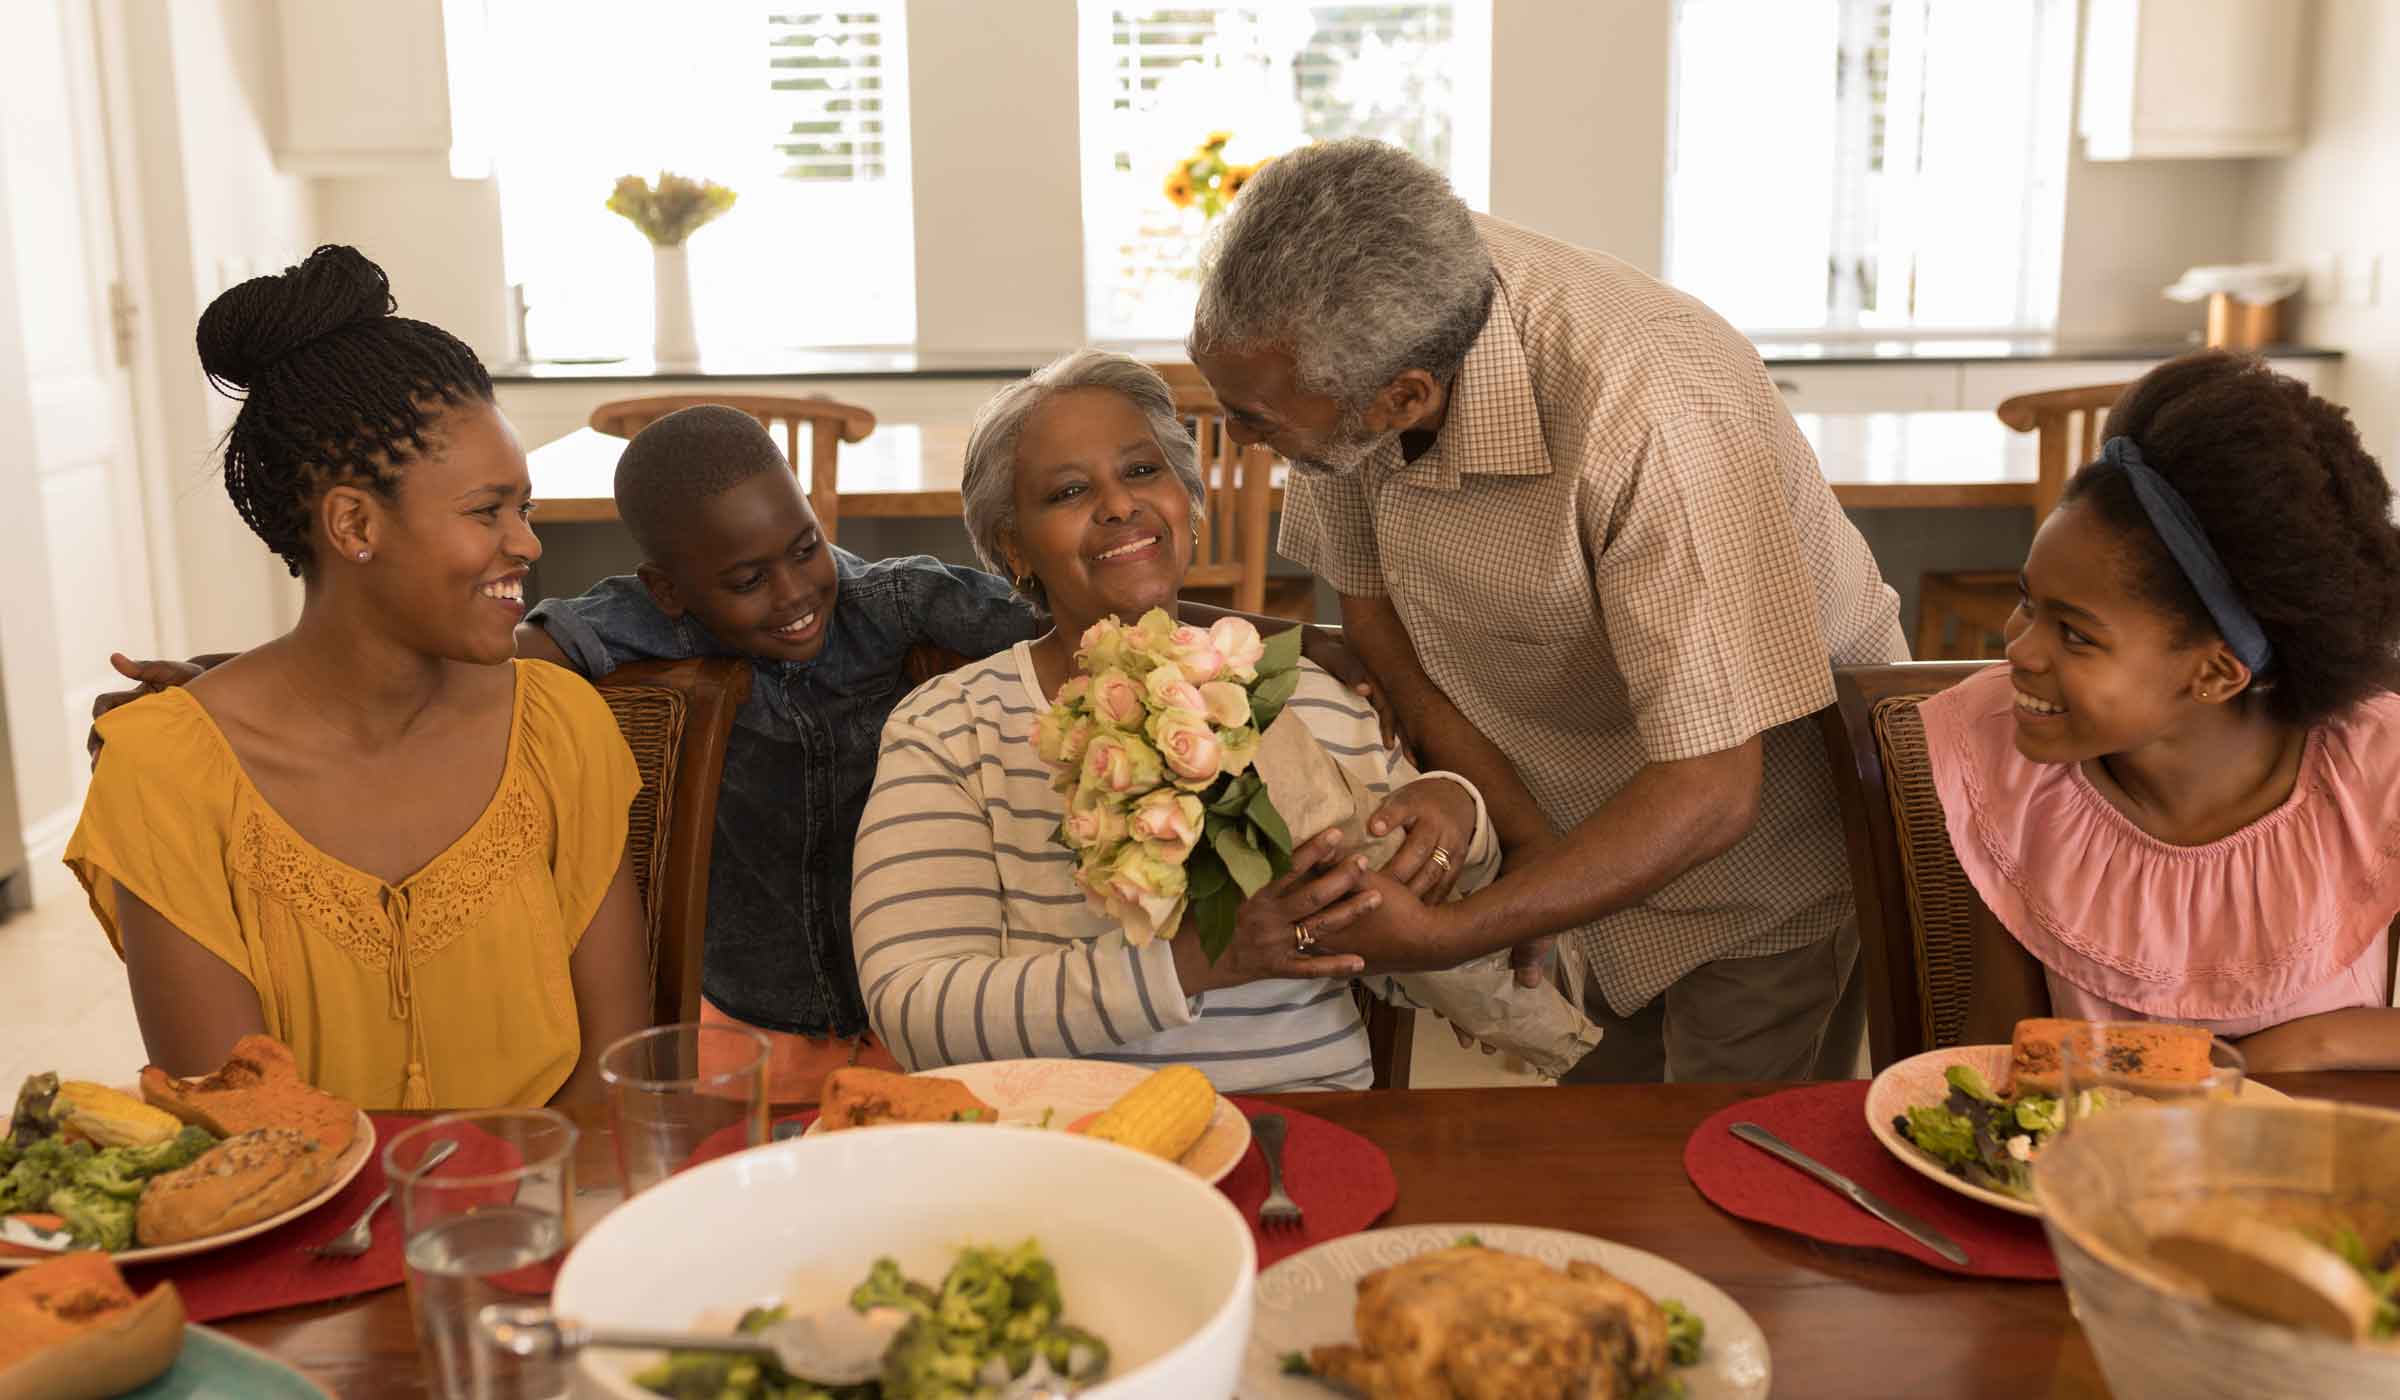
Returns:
<point x="908" y="470"/>
<point x="1604" y="1160"/>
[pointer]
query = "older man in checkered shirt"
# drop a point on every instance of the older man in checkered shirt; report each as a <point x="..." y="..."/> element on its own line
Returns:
<point x="1595" y="564"/>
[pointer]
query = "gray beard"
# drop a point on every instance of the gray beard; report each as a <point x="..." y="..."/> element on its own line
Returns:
<point x="1345" y="449"/>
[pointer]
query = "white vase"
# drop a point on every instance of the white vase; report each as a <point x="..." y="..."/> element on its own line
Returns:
<point x="674" y="342"/>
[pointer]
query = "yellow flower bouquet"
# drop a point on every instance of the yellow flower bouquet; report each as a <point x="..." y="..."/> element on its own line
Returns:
<point x="1205" y="179"/>
<point x="670" y="209"/>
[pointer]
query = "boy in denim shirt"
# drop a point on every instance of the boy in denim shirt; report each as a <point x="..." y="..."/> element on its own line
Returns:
<point x="735" y="565"/>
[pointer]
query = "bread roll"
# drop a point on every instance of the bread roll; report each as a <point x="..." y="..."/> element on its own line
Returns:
<point x="240" y="1181"/>
<point x="259" y="1087"/>
<point x="71" y="1330"/>
<point x="2140" y="1052"/>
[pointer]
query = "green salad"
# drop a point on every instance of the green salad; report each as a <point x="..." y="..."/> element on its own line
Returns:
<point x="1981" y="1138"/>
<point x="2382" y="1275"/>
<point x="997" y="1313"/>
<point x="93" y="1191"/>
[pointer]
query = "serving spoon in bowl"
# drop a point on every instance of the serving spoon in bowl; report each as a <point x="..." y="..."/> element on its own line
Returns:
<point x="835" y="1346"/>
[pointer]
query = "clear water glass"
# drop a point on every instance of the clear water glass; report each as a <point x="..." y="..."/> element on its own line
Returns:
<point x="2094" y="1077"/>
<point x="674" y="1089"/>
<point x="490" y="1225"/>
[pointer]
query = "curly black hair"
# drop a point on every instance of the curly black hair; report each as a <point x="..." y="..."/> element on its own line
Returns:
<point x="2293" y="504"/>
<point x="683" y="459"/>
<point x="335" y="389"/>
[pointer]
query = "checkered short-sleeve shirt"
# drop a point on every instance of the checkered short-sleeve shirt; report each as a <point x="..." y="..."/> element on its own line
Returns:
<point x="1620" y="551"/>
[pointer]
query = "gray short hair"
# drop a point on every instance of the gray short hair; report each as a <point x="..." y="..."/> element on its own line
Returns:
<point x="988" y="486"/>
<point x="1353" y="257"/>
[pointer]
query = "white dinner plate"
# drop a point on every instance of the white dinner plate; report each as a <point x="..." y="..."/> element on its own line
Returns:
<point x="1918" y="1080"/>
<point x="1064" y="1092"/>
<point x="352" y="1161"/>
<point x="1310" y="1299"/>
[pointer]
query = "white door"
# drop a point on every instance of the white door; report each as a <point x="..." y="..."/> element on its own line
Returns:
<point x="78" y="342"/>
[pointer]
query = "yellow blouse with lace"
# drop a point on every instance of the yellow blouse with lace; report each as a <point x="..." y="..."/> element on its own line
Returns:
<point x="447" y="990"/>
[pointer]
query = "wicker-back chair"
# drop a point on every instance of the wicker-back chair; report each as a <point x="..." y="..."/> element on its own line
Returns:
<point x="1391" y="1030"/>
<point x="675" y="716"/>
<point x="1916" y="908"/>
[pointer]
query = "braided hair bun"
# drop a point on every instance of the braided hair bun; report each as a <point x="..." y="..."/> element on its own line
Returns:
<point x="335" y="389"/>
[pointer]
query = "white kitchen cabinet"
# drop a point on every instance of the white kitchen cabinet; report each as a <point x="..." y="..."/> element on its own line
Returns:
<point x="1892" y="388"/>
<point x="379" y="88"/>
<point x="2191" y="78"/>
<point x="1982" y="387"/>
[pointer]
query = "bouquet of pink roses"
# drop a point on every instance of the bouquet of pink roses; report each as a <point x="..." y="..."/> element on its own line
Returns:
<point x="1155" y="745"/>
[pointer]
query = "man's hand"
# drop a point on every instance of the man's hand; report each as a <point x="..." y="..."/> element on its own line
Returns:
<point x="1531" y="959"/>
<point x="1337" y="660"/>
<point x="1401" y="933"/>
<point x="149" y="677"/>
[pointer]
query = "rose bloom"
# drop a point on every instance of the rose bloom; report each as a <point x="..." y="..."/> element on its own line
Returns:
<point x="1238" y="643"/>
<point x="1145" y="894"/>
<point x="1169" y="822"/>
<point x="1167" y="689"/>
<point x="1197" y="655"/>
<point x="1118" y="700"/>
<point x="1102" y="646"/>
<point x="1093" y="819"/>
<point x="1227" y="705"/>
<point x="1075" y="692"/>
<point x="1121" y="763"/>
<point x="1189" y="747"/>
<point x="1238" y="748"/>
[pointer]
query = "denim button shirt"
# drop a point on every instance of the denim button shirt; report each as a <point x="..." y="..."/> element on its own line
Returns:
<point x="798" y="766"/>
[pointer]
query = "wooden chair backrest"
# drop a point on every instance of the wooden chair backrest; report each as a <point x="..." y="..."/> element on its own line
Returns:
<point x="1238" y="483"/>
<point x="676" y="717"/>
<point x="925" y="661"/>
<point x="1916" y="907"/>
<point x="830" y="424"/>
<point x="2066" y="425"/>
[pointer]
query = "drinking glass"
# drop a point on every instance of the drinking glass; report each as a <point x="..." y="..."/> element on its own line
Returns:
<point x="674" y="1089"/>
<point x="2095" y="1077"/>
<point x="489" y="1225"/>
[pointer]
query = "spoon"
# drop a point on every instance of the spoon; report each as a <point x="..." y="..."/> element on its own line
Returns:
<point x="837" y="1346"/>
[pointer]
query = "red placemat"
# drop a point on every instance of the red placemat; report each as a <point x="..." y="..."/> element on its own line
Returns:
<point x="1828" y="1122"/>
<point x="1343" y="1182"/>
<point x="274" y="1270"/>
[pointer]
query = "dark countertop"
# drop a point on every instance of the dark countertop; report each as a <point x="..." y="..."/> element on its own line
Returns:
<point x="899" y="362"/>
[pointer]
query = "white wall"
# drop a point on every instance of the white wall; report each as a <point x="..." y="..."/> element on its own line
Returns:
<point x="439" y="241"/>
<point x="2133" y="227"/>
<point x="1580" y="122"/>
<point x="215" y="211"/>
<point x="2341" y="196"/>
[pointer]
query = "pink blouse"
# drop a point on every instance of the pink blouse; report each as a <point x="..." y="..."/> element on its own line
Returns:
<point x="2285" y="918"/>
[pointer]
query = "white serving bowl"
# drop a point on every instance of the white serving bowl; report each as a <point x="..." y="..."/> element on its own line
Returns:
<point x="1150" y="1258"/>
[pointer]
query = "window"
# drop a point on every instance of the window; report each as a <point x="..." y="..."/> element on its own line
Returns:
<point x="1157" y="80"/>
<point x="1871" y="166"/>
<point x="802" y="112"/>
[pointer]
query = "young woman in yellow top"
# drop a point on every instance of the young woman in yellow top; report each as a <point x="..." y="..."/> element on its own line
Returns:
<point x="378" y="837"/>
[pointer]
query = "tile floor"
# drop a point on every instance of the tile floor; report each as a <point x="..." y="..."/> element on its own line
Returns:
<point x="63" y="1006"/>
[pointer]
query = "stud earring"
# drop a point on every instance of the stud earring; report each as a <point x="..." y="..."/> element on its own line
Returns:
<point x="365" y="554"/>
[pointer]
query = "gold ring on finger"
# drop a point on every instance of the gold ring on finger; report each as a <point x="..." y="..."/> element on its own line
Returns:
<point x="1441" y="858"/>
<point x="1302" y="939"/>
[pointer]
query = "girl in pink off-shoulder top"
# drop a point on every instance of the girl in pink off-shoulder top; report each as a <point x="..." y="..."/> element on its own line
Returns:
<point x="2180" y="796"/>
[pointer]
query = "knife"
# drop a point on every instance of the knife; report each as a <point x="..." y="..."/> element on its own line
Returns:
<point x="1900" y="1220"/>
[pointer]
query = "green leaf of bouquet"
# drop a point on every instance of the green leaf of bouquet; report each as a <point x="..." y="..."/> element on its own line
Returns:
<point x="1249" y="869"/>
<point x="1282" y="652"/>
<point x="1268" y="696"/>
<point x="1262" y="814"/>
<point x="1204" y="874"/>
<point x="1236" y="795"/>
<point x="1059" y="836"/>
<point x="1214" y="916"/>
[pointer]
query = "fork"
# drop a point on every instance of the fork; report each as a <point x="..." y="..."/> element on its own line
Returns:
<point x="353" y="1242"/>
<point x="1279" y="1211"/>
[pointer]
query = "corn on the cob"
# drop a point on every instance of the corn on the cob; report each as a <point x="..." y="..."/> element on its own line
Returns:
<point x="1163" y="1115"/>
<point x="111" y="1118"/>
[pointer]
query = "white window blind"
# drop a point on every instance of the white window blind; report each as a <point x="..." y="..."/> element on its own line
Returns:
<point x="802" y="111"/>
<point x="1871" y="166"/>
<point x="1157" y="80"/>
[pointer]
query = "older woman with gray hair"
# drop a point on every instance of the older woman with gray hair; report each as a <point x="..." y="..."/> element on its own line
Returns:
<point x="973" y="940"/>
<point x="1583" y="544"/>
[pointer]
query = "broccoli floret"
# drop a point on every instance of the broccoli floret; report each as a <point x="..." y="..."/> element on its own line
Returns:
<point x="44" y="1167"/>
<point x="887" y="1287"/>
<point x="96" y="1219"/>
<point x="180" y="1150"/>
<point x="1295" y="1363"/>
<point x="110" y="1174"/>
<point x="927" y="1362"/>
<point x="8" y="1152"/>
<point x="1684" y="1333"/>
<point x="1074" y="1353"/>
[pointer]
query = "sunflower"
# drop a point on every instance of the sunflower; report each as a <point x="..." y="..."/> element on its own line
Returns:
<point x="1179" y="188"/>
<point x="1216" y="140"/>
<point x="1235" y="177"/>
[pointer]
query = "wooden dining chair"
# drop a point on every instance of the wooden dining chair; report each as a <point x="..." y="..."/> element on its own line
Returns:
<point x="925" y="661"/>
<point x="830" y="424"/>
<point x="676" y="717"/>
<point x="1229" y="568"/>
<point x="1391" y="1037"/>
<point x="1916" y="908"/>
<point x="1961" y="614"/>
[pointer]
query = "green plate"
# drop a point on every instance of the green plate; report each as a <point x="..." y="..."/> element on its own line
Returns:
<point x="214" y="1366"/>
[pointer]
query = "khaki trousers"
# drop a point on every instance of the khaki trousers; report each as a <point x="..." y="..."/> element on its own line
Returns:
<point x="1785" y="1016"/>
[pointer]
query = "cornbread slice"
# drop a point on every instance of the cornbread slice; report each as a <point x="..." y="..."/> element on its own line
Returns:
<point x="2143" y="1052"/>
<point x="259" y="1087"/>
<point x="858" y="1097"/>
<point x="240" y="1181"/>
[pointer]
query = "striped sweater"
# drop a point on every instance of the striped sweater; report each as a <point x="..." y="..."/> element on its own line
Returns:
<point x="974" y="943"/>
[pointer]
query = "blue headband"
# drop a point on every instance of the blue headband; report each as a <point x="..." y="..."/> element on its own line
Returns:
<point x="2171" y="516"/>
